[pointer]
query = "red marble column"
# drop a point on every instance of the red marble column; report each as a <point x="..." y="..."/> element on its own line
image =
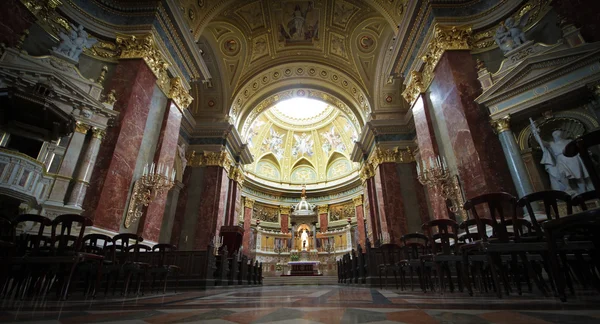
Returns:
<point x="373" y="219"/>
<point x="360" y="221"/>
<point x="323" y="220"/>
<point x="248" y="205"/>
<point x="150" y="224"/>
<point x="428" y="148"/>
<point x="480" y="160"/>
<point x="211" y="213"/>
<point x="284" y="223"/>
<point x="109" y="186"/>
<point x="181" y="205"/>
<point x="14" y="19"/>
<point x="389" y="198"/>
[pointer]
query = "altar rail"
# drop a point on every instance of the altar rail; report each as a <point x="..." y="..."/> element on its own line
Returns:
<point x="23" y="177"/>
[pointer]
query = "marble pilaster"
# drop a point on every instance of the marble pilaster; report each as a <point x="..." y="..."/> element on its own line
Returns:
<point x="182" y="201"/>
<point x="150" y="225"/>
<point x="69" y="162"/>
<point x="85" y="169"/>
<point x="166" y="229"/>
<point x="284" y="218"/>
<point x="211" y="213"/>
<point x="323" y="220"/>
<point x="389" y="199"/>
<point x="111" y="180"/>
<point x="428" y="148"/>
<point x="516" y="166"/>
<point x="360" y="220"/>
<point x="15" y="18"/>
<point x="479" y="160"/>
<point x="373" y="219"/>
<point x="248" y="206"/>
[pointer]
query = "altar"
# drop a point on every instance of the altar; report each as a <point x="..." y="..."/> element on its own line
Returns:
<point x="304" y="268"/>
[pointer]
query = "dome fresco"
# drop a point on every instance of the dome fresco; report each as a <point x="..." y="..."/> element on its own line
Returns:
<point x="301" y="141"/>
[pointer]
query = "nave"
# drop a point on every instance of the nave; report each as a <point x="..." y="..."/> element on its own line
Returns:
<point x="307" y="304"/>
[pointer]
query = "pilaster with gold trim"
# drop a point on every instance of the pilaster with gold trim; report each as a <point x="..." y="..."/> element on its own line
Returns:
<point x="512" y="153"/>
<point x="323" y="211"/>
<point x="248" y="207"/>
<point x="85" y="170"/>
<point x="284" y="218"/>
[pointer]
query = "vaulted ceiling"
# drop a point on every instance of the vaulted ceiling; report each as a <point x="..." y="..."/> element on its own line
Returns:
<point x="256" y="49"/>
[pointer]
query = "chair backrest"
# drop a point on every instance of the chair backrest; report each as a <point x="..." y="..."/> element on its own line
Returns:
<point x="62" y="227"/>
<point x="120" y="245"/>
<point x="471" y="229"/>
<point x="501" y="206"/>
<point x="30" y="243"/>
<point x="443" y="236"/>
<point x="7" y="230"/>
<point x="414" y="245"/>
<point x="582" y="198"/>
<point x="550" y="199"/>
<point x="97" y="243"/>
<point x="135" y="251"/>
<point x="163" y="250"/>
<point x="391" y="253"/>
<point x="581" y="146"/>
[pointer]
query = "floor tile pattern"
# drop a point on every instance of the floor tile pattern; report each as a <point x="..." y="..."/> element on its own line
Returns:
<point x="307" y="304"/>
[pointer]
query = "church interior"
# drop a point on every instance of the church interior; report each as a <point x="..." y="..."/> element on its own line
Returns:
<point x="300" y="161"/>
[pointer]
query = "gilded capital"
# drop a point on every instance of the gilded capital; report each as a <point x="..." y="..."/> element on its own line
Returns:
<point x="501" y="125"/>
<point x="358" y="201"/>
<point x="179" y="94"/>
<point x="284" y="210"/>
<point x="322" y="209"/>
<point x="82" y="128"/>
<point x="249" y="203"/>
<point x="237" y="174"/>
<point x="414" y="87"/>
<point x="98" y="133"/>
<point x="381" y="155"/>
<point x="366" y="171"/>
<point x="221" y="159"/>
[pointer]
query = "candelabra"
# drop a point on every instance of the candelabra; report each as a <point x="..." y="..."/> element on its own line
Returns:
<point x="384" y="238"/>
<point x="217" y="242"/>
<point x="154" y="180"/>
<point x="438" y="177"/>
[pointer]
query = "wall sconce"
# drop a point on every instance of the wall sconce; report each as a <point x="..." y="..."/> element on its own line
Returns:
<point x="155" y="180"/>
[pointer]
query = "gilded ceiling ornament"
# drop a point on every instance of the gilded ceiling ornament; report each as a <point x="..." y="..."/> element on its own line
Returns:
<point x="358" y="201"/>
<point x="445" y="38"/>
<point x="501" y="125"/>
<point x="179" y="94"/>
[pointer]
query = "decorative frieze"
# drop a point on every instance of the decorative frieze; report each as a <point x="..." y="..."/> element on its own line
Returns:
<point x="342" y="212"/>
<point x="445" y="38"/>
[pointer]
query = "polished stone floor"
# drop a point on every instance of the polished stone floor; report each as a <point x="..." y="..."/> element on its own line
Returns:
<point x="307" y="304"/>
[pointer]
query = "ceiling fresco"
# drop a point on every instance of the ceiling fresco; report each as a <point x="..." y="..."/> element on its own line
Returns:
<point x="307" y="142"/>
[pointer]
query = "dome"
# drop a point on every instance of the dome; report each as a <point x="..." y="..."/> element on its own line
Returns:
<point x="301" y="141"/>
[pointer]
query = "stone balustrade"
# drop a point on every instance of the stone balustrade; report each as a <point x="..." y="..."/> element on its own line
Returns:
<point x="23" y="177"/>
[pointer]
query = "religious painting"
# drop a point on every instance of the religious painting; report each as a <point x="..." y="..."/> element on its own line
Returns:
<point x="252" y="14"/>
<point x="341" y="212"/>
<point x="268" y="170"/>
<point x="342" y="12"/>
<point x="265" y="213"/>
<point x="303" y="174"/>
<point x="259" y="47"/>
<point x="303" y="145"/>
<point x="332" y="141"/>
<point x="299" y="22"/>
<point x="348" y="128"/>
<point x="338" y="168"/>
<point x="338" y="45"/>
<point x="274" y="143"/>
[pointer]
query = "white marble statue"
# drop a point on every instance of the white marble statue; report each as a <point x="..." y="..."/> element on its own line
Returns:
<point x="73" y="44"/>
<point x="304" y="239"/>
<point x="566" y="173"/>
<point x="181" y="152"/>
<point x="509" y="35"/>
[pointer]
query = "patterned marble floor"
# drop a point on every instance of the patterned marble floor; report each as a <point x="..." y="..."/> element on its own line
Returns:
<point x="307" y="304"/>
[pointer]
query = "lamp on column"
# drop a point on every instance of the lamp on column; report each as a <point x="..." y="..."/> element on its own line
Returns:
<point x="156" y="179"/>
<point x="436" y="175"/>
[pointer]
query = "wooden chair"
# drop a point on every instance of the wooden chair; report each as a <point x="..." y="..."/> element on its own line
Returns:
<point x="550" y="200"/>
<point x="502" y="210"/>
<point x="391" y="257"/>
<point x="161" y="268"/>
<point x="475" y="266"/>
<point x="581" y="200"/>
<point x="415" y="245"/>
<point x="121" y="264"/>
<point x="581" y="146"/>
<point x="96" y="244"/>
<point x="443" y="235"/>
<point x="138" y="265"/>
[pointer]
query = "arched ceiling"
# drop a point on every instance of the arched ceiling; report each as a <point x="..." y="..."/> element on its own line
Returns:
<point x="259" y="48"/>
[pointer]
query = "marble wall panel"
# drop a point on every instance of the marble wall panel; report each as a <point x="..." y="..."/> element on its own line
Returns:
<point x="182" y="201"/>
<point x="479" y="159"/>
<point x="190" y="218"/>
<point x="14" y="19"/>
<point x="409" y="190"/>
<point x="391" y="206"/>
<point x="323" y="222"/>
<point x="360" y="224"/>
<point x="165" y="154"/>
<point x="211" y="212"/>
<point x="247" y="230"/>
<point x="284" y="219"/>
<point x="113" y="173"/>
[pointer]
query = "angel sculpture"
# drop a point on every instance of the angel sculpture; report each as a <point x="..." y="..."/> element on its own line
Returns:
<point x="304" y="145"/>
<point x="509" y="34"/>
<point x="73" y="44"/>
